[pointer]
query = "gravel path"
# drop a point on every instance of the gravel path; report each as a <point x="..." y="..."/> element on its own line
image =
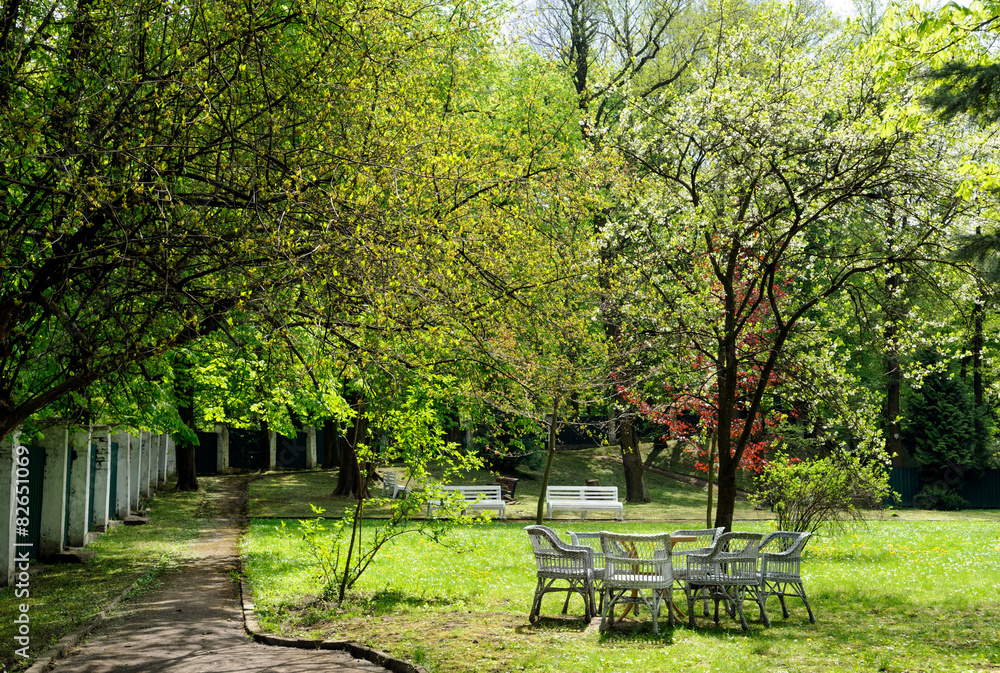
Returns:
<point x="193" y="622"/>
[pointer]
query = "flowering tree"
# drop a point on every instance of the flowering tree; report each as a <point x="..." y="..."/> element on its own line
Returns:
<point x="748" y="213"/>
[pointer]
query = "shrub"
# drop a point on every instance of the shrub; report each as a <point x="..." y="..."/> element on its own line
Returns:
<point x="506" y="443"/>
<point x="806" y="494"/>
<point x="341" y="555"/>
<point x="940" y="496"/>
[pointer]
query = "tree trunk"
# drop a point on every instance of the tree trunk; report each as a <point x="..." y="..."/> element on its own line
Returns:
<point x="675" y="453"/>
<point x="636" y="489"/>
<point x="187" y="479"/>
<point x="659" y="446"/>
<point x="893" y="376"/>
<point x="977" y="352"/>
<point x="264" y="447"/>
<point x="540" y="511"/>
<point x="711" y="475"/>
<point x="350" y="480"/>
<point x="452" y="426"/>
<point x="727" y="488"/>
<point x="729" y="459"/>
<point x="330" y="432"/>
<point x="355" y="535"/>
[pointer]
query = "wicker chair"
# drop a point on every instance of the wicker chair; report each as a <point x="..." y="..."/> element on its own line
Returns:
<point x="780" y="568"/>
<point x="706" y="538"/>
<point x="726" y="573"/>
<point x="560" y="562"/>
<point x="592" y="540"/>
<point x="636" y="564"/>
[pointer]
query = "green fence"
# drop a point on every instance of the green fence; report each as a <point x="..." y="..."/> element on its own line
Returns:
<point x="36" y="477"/>
<point x="980" y="489"/>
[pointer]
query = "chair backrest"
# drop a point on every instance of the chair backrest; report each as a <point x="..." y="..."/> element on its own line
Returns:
<point x="732" y="547"/>
<point x="474" y="493"/>
<point x="591" y="540"/>
<point x="706" y="538"/>
<point x="788" y="543"/>
<point x="637" y="555"/>
<point x="781" y="554"/>
<point x="584" y="493"/>
<point x="552" y="554"/>
<point x="734" y="556"/>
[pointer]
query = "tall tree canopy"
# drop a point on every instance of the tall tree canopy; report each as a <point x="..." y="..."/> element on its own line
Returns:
<point x="769" y="179"/>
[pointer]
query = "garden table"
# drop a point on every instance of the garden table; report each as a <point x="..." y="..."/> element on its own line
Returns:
<point x="674" y="539"/>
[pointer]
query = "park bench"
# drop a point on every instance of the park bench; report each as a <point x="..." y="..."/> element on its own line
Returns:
<point x="476" y="498"/>
<point x="584" y="499"/>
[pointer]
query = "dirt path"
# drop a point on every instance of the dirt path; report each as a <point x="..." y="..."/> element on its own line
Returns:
<point x="193" y="622"/>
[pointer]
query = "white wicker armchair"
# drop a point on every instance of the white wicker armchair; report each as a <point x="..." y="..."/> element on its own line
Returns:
<point x="592" y="540"/>
<point x="728" y="572"/>
<point x="638" y="571"/>
<point x="560" y="562"/>
<point x="780" y="568"/>
<point x="705" y="540"/>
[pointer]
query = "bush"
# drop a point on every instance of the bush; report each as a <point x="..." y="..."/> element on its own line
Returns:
<point x="806" y="494"/>
<point x="506" y="443"/>
<point x="942" y="497"/>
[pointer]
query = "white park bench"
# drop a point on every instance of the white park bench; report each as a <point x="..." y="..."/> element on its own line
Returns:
<point x="584" y="499"/>
<point x="476" y="498"/>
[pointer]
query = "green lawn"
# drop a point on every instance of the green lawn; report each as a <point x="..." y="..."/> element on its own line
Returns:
<point x="892" y="596"/>
<point x="909" y="591"/>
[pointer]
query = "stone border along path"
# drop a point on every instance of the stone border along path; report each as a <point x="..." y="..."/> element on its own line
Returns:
<point x="198" y="620"/>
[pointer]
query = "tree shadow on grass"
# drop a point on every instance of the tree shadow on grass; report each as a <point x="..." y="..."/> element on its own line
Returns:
<point x="563" y="623"/>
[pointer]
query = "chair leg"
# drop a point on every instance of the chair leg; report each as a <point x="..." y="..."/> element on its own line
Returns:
<point x="670" y="608"/>
<point x="802" y="595"/>
<point x="759" y="597"/>
<point x="738" y="600"/>
<point x="690" y="592"/>
<point x="784" y="608"/>
<point x="608" y="616"/>
<point x="536" y="603"/>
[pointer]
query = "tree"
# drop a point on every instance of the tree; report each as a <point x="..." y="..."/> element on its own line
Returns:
<point x="949" y="433"/>
<point x="155" y="163"/>
<point x="689" y="403"/>
<point x="298" y="165"/>
<point x="605" y="48"/>
<point x="761" y="170"/>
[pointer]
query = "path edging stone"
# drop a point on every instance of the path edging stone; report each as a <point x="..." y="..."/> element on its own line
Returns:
<point x="252" y="628"/>
<point x="45" y="659"/>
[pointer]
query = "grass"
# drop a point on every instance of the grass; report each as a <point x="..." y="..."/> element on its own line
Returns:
<point x="910" y="591"/>
<point x="64" y="597"/>
<point x="894" y="596"/>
